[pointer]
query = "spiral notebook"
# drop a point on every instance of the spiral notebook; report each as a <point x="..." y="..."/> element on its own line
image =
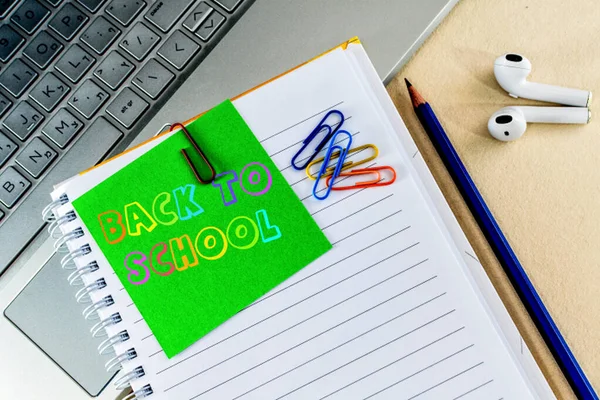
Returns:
<point x="399" y="308"/>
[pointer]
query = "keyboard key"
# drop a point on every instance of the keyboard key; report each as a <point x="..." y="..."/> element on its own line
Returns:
<point x="62" y="128"/>
<point x="88" y="99"/>
<point x="197" y="16"/>
<point x="54" y="3"/>
<point x="68" y="21"/>
<point x="29" y="15"/>
<point x="5" y="6"/>
<point x="36" y="157"/>
<point x="10" y="41"/>
<point x="100" y="35"/>
<point x="7" y="148"/>
<point x="23" y="120"/>
<point x="139" y="41"/>
<point x="17" y="77"/>
<point x="127" y="107"/>
<point x="229" y="5"/>
<point x="5" y="104"/>
<point x="210" y="25"/>
<point x="12" y="186"/>
<point x="125" y="11"/>
<point x="153" y="78"/>
<point x="114" y="69"/>
<point x="92" y="5"/>
<point x="178" y="50"/>
<point x="18" y="229"/>
<point x="49" y="91"/>
<point x="164" y="14"/>
<point x="75" y="63"/>
<point x="42" y="49"/>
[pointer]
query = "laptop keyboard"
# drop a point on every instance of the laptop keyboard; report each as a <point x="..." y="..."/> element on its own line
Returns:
<point x="71" y="69"/>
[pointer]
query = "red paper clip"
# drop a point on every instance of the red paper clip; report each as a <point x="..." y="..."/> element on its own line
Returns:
<point x="200" y="152"/>
<point x="365" y="184"/>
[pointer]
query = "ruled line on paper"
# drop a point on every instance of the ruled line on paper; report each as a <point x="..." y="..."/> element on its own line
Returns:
<point x="334" y="264"/>
<point x="414" y="330"/>
<point x="426" y="368"/>
<point x="474" y="389"/>
<point x="345" y="217"/>
<point x="299" y="302"/>
<point x="370" y="225"/>
<point x="155" y="353"/>
<point x="297" y="182"/>
<point x="312" y="338"/>
<point x="447" y="380"/>
<point x="355" y="359"/>
<point x="302" y="140"/>
<point x="302" y="121"/>
<point x="339" y="201"/>
<point x="393" y="362"/>
<point x="472" y="256"/>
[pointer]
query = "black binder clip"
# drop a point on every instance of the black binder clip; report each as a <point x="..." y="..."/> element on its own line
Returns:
<point x="199" y="151"/>
<point x="322" y="126"/>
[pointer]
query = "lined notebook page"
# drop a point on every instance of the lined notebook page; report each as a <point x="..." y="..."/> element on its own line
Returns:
<point x="388" y="313"/>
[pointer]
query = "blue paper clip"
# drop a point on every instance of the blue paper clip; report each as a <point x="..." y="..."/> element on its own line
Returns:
<point x="319" y="128"/>
<point x="333" y="148"/>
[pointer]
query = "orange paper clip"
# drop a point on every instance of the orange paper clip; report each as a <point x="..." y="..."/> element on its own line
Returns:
<point x="375" y="182"/>
<point x="199" y="151"/>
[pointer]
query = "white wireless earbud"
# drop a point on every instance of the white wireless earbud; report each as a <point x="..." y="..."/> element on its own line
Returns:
<point x="510" y="123"/>
<point x="511" y="72"/>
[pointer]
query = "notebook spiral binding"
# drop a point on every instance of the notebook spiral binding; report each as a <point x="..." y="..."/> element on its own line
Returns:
<point x="83" y="275"/>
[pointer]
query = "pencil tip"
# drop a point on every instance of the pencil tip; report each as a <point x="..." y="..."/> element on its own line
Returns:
<point x="415" y="97"/>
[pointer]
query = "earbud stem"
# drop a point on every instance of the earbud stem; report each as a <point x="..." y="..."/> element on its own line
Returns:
<point x="557" y="115"/>
<point x="554" y="94"/>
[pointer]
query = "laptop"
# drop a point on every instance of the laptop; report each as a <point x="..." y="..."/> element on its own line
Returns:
<point x="82" y="80"/>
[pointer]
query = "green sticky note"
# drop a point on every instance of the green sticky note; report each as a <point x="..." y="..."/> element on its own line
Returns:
<point x="192" y="255"/>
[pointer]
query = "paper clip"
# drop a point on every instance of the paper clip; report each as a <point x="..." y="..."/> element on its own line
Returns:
<point x="364" y="184"/>
<point x="348" y="164"/>
<point x="199" y="151"/>
<point x="343" y="151"/>
<point x="319" y="128"/>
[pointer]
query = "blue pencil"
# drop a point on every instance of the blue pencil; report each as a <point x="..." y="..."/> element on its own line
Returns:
<point x="525" y="289"/>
